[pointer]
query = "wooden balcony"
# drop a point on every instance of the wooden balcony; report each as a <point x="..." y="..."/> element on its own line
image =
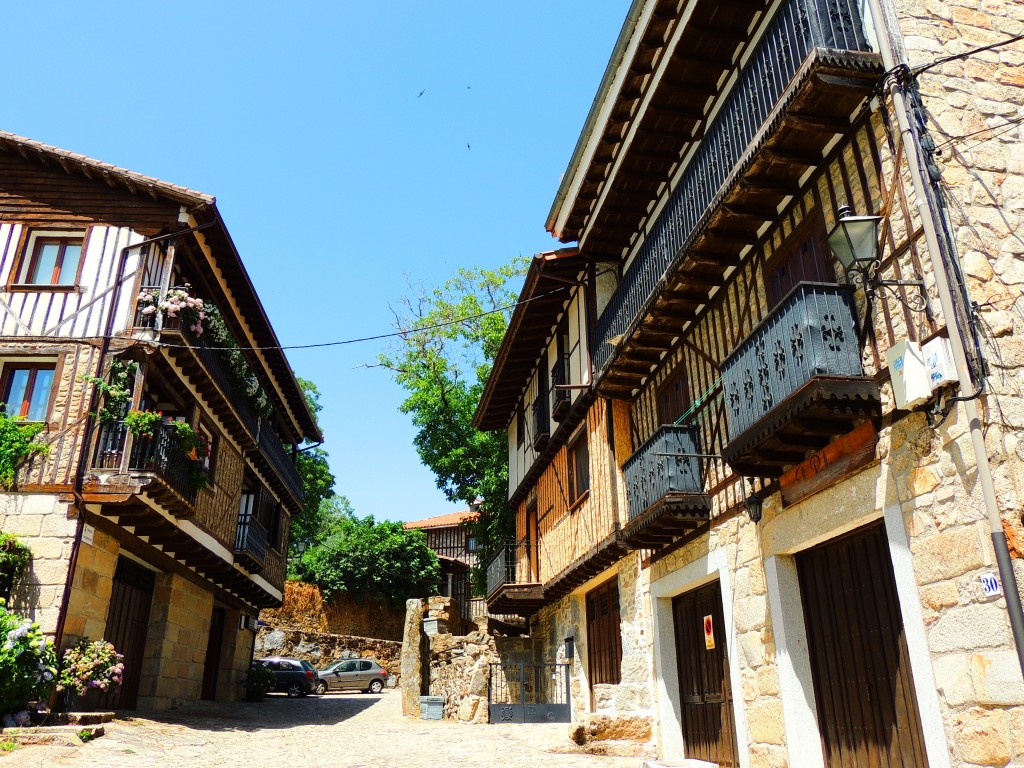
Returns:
<point x="152" y="465"/>
<point x="541" y="423"/>
<point x="205" y="368"/>
<point x="665" y="487"/>
<point x="512" y="584"/>
<point x="250" y="543"/>
<point x="795" y="94"/>
<point x="796" y="381"/>
<point x="280" y="467"/>
<point x="561" y="399"/>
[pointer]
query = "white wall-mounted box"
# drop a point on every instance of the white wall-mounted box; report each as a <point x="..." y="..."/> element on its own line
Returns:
<point x="939" y="358"/>
<point x="909" y="373"/>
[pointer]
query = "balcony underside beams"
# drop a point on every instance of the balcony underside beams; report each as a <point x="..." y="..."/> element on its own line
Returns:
<point x="814" y="111"/>
<point x="137" y="522"/>
<point x="805" y="421"/>
<point x="119" y="488"/>
<point x="598" y="558"/>
<point x="673" y="515"/>
<point x="516" y="599"/>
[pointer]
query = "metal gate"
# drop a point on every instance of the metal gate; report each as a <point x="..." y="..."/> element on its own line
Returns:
<point x="529" y="693"/>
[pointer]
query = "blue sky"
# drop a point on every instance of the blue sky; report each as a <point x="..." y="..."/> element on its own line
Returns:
<point x="337" y="180"/>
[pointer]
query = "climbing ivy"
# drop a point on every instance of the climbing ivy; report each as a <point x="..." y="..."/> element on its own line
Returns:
<point x="116" y="389"/>
<point x="17" y="442"/>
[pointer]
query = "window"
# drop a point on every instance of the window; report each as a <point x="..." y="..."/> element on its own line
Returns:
<point x="208" y="450"/>
<point x="51" y="258"/>
<point x="603" y="634"/>
<point x="520" y="425"/>
<point x="26" y="390"/>
<point x="801" y="259"/>
<point x="471" y="545"/>
<point x="674" y="396"/>
<point x="578" y="459"/>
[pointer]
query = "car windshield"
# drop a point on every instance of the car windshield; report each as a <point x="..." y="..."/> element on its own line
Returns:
<point x="307" y="665"/>
<point x="331" y="667"/>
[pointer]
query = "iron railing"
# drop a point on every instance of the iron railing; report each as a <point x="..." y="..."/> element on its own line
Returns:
<point x="511" y="564"/>
<point x="159" y="453"/>
<point x="529" y="693"/>
<point x="667" y="463"/>
<point x="800" y="27"/>
<point x="541" y="422"/>
<point x="813" y="332"/>
<point x="212" y="359"/>
<point x="275" y="453"/>
<point x="251" y="537"/>
<point x="559" y="397"/>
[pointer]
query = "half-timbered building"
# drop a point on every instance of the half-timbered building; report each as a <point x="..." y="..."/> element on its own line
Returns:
<point x="158" y="517"/>
<point x="801" y="467"/>
<point x="450" y="537"/>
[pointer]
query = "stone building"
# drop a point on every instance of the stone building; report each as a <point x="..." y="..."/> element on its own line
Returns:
<point x="158" y="518"/>
<point x="800" y="471"/>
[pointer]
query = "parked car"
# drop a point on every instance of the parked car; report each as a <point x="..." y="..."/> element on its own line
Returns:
<point x="294" y="677"/>
<point x="352" y="674"/>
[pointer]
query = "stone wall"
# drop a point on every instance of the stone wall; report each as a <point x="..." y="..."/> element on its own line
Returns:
<point x="91" y="589"/>
<point x="305" y="609"/>
<point x="41" y="521"/>
<point x="235" y="658"/>
<point x="460" y="672"/>
<point x="175" y="656"/>
<point x="321" y="648"/>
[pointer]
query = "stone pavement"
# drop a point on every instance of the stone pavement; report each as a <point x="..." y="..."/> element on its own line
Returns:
<point x="344" y="731"/>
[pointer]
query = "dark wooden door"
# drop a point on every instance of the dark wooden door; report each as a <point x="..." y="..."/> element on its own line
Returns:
<point x="532" y="542"/>
<point x="867" y="709"/>
<point x="127" y="620"/>
<point x="214" y="645"/>
<point x="709" y="730"/>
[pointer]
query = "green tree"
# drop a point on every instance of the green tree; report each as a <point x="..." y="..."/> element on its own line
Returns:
<point x="449" y="339"/>
<point x="365" y="558"/>
<point x="317" y="482"/>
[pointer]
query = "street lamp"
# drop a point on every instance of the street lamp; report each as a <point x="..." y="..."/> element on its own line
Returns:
<point x="854" y="241"/>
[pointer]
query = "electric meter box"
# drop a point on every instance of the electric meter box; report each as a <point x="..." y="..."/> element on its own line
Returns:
<point x="909" y="373"/>
<point x="939" y="358"/>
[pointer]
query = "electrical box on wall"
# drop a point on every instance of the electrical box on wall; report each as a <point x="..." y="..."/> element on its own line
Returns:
<point x="939" y="358"/>
<point x="909" y="373"/>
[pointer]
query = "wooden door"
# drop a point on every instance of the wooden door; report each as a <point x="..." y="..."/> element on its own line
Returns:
<point x="532" y="543"/>
<point x="867" y="709"/>
<point x="214" y="646"/>
<point x="709" y="729"/>
<point x="127" y="619"/>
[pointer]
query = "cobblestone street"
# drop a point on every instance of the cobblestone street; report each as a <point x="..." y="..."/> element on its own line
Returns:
<point x="354" y="731"/>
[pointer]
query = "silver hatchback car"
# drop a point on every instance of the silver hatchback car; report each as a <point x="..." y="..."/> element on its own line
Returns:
<point x="352" y="674"/>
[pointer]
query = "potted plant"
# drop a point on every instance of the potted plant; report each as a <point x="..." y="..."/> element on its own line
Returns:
<point x="257" y="681"/>
<point x="142" y="423"/>
<point x="116" y="389"/>
<point x="27" y="664"/>
<point x="87" y="667"/>
<point x="14" y="559"/>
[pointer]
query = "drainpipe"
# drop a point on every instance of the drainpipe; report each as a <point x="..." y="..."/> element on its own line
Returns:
<point x="931" y="222"/>
<point x="76" y="489"/>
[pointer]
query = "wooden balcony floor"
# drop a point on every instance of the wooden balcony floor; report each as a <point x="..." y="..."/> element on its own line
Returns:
<point x="516" y="599"/>
<point x="671" y="516"/>
<point x="805" y="421"/>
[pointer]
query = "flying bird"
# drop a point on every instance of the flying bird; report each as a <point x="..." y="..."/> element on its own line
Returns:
<point x="467" y="145"/>
<point x="421" y="93"/>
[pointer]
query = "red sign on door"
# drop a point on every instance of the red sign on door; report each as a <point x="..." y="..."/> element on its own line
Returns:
<point x="709" y="633"/>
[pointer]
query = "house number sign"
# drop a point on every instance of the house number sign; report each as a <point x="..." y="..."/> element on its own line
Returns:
<point x="709" y="633"/>
<point x="990" y="585"/>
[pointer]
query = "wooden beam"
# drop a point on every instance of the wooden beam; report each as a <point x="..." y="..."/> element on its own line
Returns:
<point x="793" y="156"/>
<point x="816" y="122"/>
<point x="772" y="185"/>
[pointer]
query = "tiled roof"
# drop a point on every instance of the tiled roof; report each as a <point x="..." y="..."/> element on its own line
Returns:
<point x="441" y="521"/>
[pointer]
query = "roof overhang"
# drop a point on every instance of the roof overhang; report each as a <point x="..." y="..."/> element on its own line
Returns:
<point x="547" y="288"/>
<point x="203" y="208"/>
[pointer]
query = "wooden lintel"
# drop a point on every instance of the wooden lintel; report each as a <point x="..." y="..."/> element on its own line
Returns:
<point x="835" y="461"/>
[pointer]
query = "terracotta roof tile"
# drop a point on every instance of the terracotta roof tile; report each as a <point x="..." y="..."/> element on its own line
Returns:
<point x="441" y="521"/>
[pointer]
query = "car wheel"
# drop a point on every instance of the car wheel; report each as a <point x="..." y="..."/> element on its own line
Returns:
<point x="376" y="686"/>
<point x="321" y="688"/>
<point x="294" y="691"/>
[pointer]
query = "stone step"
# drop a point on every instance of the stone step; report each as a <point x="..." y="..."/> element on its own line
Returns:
<point x="53" y="735"/>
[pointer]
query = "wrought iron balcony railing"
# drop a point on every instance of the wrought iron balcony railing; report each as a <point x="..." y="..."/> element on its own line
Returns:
<point x="666" y="466"/>
<point x="541" y="423"/>
<point x="512" y="564"/>
<point x="275" y="453"/>
<point x="251" y="540"/>
<point x="812" y="333"/>
<point x="560" y="398"/>
<point x="799" y="29"/>
<point x="159" y="453"/>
